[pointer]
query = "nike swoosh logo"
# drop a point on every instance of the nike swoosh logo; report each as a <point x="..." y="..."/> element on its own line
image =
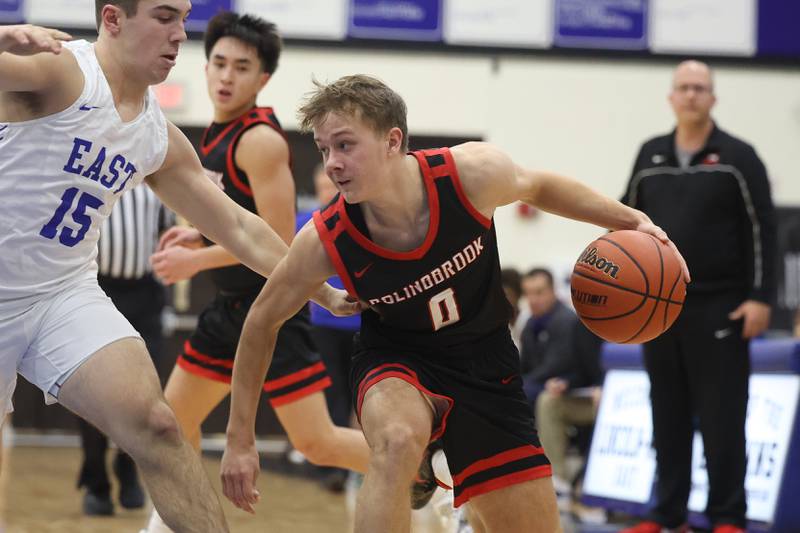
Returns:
<point x="722" y="333"/>
<point x="86" y="107"/>
<point x="358" y="274"/>
<point x="506" y="381"/>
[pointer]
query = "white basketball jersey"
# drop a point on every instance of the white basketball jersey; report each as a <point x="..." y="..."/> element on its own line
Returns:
<point x="60" y="175"/>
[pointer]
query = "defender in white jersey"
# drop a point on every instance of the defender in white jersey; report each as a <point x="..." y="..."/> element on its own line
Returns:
<point x="78" y="127"/>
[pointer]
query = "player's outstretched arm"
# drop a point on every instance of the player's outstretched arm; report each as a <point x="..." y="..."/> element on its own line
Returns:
<point x="28" y="57"/>
<point x="183" y="187"/>
<point x="491" y="179"/>
<point x="263" y="154"/>
<point x="292" y="283"/>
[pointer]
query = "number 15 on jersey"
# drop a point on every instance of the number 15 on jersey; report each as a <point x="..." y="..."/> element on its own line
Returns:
<point x="68" y="236"/>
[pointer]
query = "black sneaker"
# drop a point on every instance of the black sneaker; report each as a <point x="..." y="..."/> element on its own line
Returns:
<point x="425" y="485"/>
<point x="131" y="495"/>
<point x="97" y="504"/>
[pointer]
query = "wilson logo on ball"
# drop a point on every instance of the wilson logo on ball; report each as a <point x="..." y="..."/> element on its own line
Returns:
<point x="589" y="257"/>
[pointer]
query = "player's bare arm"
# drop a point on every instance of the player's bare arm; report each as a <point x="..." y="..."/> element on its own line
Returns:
<point x="263" y="154"/>
<point x="183" y="187"/>
<point x="36" y="78"/>
<point x="293" y="282"/>
<point x="491" y="179"/>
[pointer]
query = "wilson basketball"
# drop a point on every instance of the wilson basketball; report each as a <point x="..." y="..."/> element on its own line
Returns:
<point x="628" y="287"/>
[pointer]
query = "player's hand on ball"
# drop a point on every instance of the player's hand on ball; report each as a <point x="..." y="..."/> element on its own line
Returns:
<point x="661" y="235"/>
<point x="27" y="39"/>
<point x="239" y="471"/>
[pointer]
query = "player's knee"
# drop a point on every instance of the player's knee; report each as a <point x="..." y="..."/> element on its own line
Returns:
<point x="400" y="443"/>
<point x="161" y="423"/>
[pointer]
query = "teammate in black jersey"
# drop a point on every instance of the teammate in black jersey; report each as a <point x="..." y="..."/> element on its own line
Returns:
<point x="412" y="236"/>
<point x="245" y="151"/>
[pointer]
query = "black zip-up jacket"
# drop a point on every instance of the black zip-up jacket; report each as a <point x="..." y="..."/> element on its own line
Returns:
<point x="718" y="211"/>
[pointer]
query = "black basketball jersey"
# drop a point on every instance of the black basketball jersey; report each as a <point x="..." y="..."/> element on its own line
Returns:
<point x="444" y="294"/>
<point x="218" y="148"/>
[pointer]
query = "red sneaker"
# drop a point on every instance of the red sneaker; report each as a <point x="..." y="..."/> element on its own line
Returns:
<point x="649" y="526"/>
<point x="728" y="528"/>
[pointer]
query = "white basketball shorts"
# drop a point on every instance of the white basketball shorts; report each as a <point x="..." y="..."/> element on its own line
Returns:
<point x="47" y="341"/>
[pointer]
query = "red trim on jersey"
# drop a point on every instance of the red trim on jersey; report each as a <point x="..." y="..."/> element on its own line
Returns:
<point x="501" y="482"/>
<point x="433" y="224"/>
<point x="263" y="116"/>
<point x="410" y="377"/>
<point x="294" y="377"/>
<point x="327" y="238"/>
<point x="293" y="396"/>
<point x="500" y="459"/>
<point x="226" y="363"/>
<point x="477" y="215"/>
<point x="202" y="371"/>
<point x="206" y="149"/>
<point x="232" y="170"/>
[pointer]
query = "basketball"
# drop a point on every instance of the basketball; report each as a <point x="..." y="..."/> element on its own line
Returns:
<point x="628" y="287"/>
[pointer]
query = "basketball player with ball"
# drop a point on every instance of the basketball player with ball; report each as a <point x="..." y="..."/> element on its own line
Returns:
<point x="412" y="235"/>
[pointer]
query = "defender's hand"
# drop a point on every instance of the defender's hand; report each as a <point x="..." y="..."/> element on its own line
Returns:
<point x="27" y="39"/>
<point x="174" y="264"/>
<point x="338" y="301"/>
<point x="180" y="236"/>
<point x="239" y="471"/>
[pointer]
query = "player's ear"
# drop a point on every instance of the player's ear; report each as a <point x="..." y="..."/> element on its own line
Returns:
<point x="263" y="79"/>
<point x="110" y="18"/>
<point x="395" y="140"/>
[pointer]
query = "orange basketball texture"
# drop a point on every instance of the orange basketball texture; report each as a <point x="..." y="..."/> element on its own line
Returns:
<point x="628" y="287"/>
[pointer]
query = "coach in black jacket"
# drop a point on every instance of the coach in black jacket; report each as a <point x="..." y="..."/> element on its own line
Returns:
<point x="709" y="191"/>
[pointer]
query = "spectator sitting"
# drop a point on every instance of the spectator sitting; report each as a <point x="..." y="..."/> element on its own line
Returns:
<point x="570" y="400"/>
<point x="546" y="342"/>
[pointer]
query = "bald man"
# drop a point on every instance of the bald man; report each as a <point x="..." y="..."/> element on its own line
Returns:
<point x="710" y="192"/>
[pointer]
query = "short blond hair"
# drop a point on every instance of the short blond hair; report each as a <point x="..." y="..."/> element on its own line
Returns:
<point x="360" y="96"/>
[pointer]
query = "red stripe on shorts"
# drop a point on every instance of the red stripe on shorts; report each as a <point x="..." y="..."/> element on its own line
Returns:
<point x="277" y="401"/>
<point x="529" y="474"/>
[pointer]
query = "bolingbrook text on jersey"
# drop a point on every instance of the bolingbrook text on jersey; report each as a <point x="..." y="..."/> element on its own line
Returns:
<point x="438" y="275"/>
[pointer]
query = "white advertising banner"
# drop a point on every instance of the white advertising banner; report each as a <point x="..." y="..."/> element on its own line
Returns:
<point x="621" y="460"/>
<point x="61" y="13"/>
<point x="302" y="19"/>
<point x="717" y="27"/>
<point x="770" y="415"/>
<point x="517" y="23"/>
<point x="622" y="464"/>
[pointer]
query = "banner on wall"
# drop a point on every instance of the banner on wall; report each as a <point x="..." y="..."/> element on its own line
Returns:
<point x="301" y="19"/>
<point x="61" y="13"/>
<point x="712" y="27"/>
<point x="509" y="23"/>
<point x="601" y="24"/>
<point x="203" y="10"/>
<point x="413" y="20"/>
<point x="622" y="463"/>
<point x="11" y="11"/>
<point x="777" y="28"/>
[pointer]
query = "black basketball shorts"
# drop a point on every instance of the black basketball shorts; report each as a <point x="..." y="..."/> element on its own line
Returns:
<point x="482" y="416"/>
<point x="296" y="370"/>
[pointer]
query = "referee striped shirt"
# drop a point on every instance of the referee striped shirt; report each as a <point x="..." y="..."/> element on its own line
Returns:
<point x="130" y="235"/>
